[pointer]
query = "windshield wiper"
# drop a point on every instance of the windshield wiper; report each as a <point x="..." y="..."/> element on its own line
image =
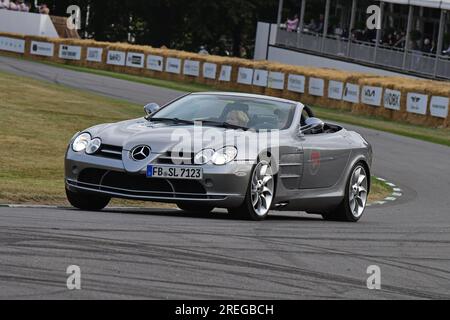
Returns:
<point x="222" y="124"/>
<point x="174" y="120"/>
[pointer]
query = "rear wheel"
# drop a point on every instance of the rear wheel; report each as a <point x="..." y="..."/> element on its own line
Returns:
<point x="195" y="208"/>
<point x="87" y="201"/>
<point x="260" y="193"/>
<point x="352" y="207"/>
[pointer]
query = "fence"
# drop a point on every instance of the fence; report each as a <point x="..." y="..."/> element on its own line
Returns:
<point x="422" y="102"/>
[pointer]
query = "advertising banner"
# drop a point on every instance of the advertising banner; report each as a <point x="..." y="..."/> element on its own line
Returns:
<point x="276" y="80"/>
<point x="245" y="76"/>
<point x="173" y="65"/>
<point x="439" y="107"/>
<point x="12" y="45"/>
<point x="116" y="58"/>
<point x="260" y="78"/>
<point x="372" y="95"/>
<point x="392" y="99"/>
<point x="351" y="93"/>
<point x="69" y="52"/>
<point x="155" y="63"/>
<point x="296" y="83"/>
<point x="135" y="60"/>
<point x="94" y="54"/>
<point x="335" y="89"/>
<point x="191" y="68"/>
<point x="316" y="87"/>
<point x="225" y="73"/>
<point x="209" y="70"/>
<point x="42" y="48"/>
<point x="417" y="103"/>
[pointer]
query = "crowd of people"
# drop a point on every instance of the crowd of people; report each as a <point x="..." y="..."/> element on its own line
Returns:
<point x="391" y="39"/>
<point x="24" y="6"/>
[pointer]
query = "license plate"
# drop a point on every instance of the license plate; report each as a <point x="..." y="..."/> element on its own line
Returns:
<point x="175" y="172"/>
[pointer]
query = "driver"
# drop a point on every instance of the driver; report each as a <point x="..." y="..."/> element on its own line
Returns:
<point x="237" y="118"/>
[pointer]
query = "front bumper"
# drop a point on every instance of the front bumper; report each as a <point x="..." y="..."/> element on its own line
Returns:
<point x="221" y="186"/>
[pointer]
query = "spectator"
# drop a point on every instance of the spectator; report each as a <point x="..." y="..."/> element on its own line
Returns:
<point x="319" y="28"/>
<point x="312" y="25"/>
<point x="4" y="4"/>
<point x="292" y="25"/>
<point x="14" y="6"/>
<point x="24" y="6"/>
<point x="43" y="9"/>
<point x="203" y="51"/>
<point x="427" y="46"/>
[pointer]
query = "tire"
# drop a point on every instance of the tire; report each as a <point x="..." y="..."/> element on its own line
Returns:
<point x="87" y="201"/>
<point x="356" y="193"/>
<point x="195" y="208"/>
<point x="260" y="194"/>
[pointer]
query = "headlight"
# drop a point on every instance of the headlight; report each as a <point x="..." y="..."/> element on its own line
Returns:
<point x="203" y="156"/>
<point x="81" y="142"/>
<point x="224" y="155"/>
<point x="93" y="146"/>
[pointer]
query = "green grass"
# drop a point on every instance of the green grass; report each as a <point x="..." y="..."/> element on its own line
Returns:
<point x="379" y="190"/>
<point x="36" y="122"/>
<point x="434" y="135"/>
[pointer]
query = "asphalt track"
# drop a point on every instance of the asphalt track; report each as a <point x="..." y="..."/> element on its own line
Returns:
<point x="160" y="254"/>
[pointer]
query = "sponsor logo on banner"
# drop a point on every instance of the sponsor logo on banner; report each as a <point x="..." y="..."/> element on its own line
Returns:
<point x="173" y="65"/>
<point x="372" y="95"/>
<point x="116" y="58"/>
<point x="276" y="80"/>
<point x="417" y="103"/>
<point x="155" y="63"/>
<point x="316" y="87"/>
<point x="260" y="78"/>
<point x="245" y="76"/>
<point x="42" y="48"/>
<point x="191" y="68"/>
<point x="135" y="60"/>
<point x="94" y="54"/>
<point x="335" y="89"/>
<point x="209" y="70"/>
<point x="12" y="45"/>
<point x="225" y="73"/>
<point x="69" y="52"/>
<point x="351" y="93"/>
<point x="392" y="99"/>
<point x="439" y="107"/>
<point x="296" y="83"/>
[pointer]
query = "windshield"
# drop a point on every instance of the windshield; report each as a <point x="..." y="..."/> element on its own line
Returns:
<point x="253" y="113"/>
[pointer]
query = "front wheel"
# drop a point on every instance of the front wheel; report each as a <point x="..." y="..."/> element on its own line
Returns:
<point x="357" y="190"/>
<point x="260" y="193"/>
<point x="87" y="201"/>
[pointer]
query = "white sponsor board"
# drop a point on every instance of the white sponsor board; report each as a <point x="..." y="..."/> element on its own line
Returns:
<point x="275" y="80"/>
<point x="94" y="54"/>
<point x="351" y="93"/>
<point x="372" y="95"/>
<point x="335" y="89"/>
<point x="173" y="65"/>
<point x="316" y="87"/>
<point x="135" y="60"/>
<point x="191" y="68"/>
<point x="245" y="75"/>
<point x="417" y="103"/>
<point x="209" y="70"/>
<point x="225" y="73"/>
<point x="116" y="58"/>
<point x="260" y="78"/>
<point x="42" y="48"/>
<point x="12" y="45"/>
<point x="439" y="107"/>
<point x="392" y="99"/>
<point x="69" y="52"/>
<point x="155" y="63"/>
<point x="296" y="83"/>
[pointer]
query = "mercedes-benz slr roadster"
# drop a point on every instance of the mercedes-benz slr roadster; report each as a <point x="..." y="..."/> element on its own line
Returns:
<point x="246" y="153"/>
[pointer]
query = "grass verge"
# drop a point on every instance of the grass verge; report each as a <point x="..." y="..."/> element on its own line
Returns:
<point x="36" y="122"/>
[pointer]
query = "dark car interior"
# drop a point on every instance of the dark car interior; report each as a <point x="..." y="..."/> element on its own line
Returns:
<point x="327" y="128"/>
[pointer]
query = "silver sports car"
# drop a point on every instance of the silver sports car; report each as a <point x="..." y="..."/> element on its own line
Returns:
<point x="247" y="153"/>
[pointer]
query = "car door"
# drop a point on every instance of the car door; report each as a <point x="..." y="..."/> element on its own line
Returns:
<point x="325" y="158"/>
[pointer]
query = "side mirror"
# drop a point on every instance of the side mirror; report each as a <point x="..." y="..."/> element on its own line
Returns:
<point x="151" y="108"/>
<point x="312" y="125"/>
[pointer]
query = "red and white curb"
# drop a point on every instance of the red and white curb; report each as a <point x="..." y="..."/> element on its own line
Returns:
<point x="396" y="193"/>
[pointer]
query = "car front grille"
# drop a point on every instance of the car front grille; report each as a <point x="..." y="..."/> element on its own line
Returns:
<point x="139" y="185"/>
<point x="109" y="151"/>
<point x="175" y="158"/>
